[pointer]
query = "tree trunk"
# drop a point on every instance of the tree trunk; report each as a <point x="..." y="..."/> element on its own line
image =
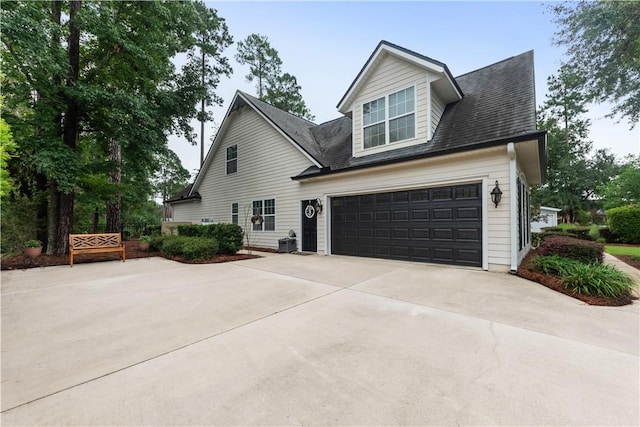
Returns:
<point x="70" y="130"/>
<point x="113" y="205"/>
<point x="53" y="208"/>
<point x="202" y="113"/>
<point x="54" y="218"/>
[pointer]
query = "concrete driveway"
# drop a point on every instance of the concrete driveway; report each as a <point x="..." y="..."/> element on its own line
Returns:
<point x="309" y="340"/>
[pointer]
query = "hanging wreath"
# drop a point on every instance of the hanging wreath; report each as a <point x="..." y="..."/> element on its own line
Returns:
<point x="257" y="219"/>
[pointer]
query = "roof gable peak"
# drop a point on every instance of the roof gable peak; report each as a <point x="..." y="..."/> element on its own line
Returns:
<point x="386" y="48"/>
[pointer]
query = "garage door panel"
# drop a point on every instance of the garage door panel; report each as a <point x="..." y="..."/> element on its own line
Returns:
<point x="472" y="212"/>
<point x="440" y="214"/>
<point x="420" y="233"/>
<point x="443" y="234"/>
<point x="442" y="225"/>
<point x="420" y="214"/>
<point x="401" y="233"/>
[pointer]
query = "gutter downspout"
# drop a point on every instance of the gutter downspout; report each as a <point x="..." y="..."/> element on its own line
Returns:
<point x="513" y="206"/>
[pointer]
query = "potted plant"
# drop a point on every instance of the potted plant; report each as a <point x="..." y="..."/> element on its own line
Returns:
<point x="33" y="248"/>
<point x="143" y="243"/>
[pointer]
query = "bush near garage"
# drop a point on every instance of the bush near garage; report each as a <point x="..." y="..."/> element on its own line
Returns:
<point x="585" y="278"/>
<point x="228" y="236"/>
<point x="577" y="232"/>
<point x="569" y="247"/>
<point x="624" y="222"/>
<point x="190" y="248"/>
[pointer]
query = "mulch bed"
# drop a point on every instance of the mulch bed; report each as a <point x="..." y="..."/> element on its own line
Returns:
<point x="553" y="282"/>
<point x="21" y="262"/>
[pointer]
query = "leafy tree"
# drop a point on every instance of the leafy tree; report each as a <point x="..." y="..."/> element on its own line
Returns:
<point x="205" y="62"/>
<point x="603" y="44"/>
<point x="104" y="74"/>
<point x="7" y="148"/>
<point x="275" y="87"/>
<point x="561" y="115"/>
<point x="170" y="177"/>
<point x="625" y="188"/>
<point x="263" y="60"/>
<point x="284" y="93"/>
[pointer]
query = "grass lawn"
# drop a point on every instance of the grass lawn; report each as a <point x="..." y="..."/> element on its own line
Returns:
<point x="623" y="250"/>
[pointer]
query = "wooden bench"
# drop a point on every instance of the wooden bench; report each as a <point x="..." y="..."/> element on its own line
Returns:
<point x="95" y="243"/>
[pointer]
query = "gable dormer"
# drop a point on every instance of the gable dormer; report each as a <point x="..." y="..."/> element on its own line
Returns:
<point x="397" y="99"/>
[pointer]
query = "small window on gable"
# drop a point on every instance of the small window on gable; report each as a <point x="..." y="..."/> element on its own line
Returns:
<point x="232" y="159"/>
<point x="381" y="125"/>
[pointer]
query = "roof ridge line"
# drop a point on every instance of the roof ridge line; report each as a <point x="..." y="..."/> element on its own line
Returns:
<point x="495" y="63"/>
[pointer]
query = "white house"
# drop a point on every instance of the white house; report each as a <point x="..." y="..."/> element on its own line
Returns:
<point x="548" y="218"/>
<point x="406" y="172"/>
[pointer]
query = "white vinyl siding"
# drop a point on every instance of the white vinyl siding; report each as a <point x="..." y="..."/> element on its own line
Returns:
<point x="437" y="108"/>
<point x="491" y="164"/>
<point x="268" y="163"/>
<point x="273" y="161"/>
<point x="390" y="76"/>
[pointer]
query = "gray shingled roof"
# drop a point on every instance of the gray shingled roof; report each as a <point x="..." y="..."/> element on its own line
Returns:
<point x="498" y="107"/>
<point x="183" y="195"/>
<point x="498" y="104"/>
<point x="297" y="128"/>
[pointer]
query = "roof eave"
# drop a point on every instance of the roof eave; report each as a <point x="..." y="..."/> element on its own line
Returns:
<point x="539" y="135"/>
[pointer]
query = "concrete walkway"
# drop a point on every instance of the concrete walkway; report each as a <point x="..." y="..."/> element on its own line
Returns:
<point x="292" y="340"/>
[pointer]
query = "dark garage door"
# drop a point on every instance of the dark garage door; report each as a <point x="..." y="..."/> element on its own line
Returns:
<point x="440" y="225"/>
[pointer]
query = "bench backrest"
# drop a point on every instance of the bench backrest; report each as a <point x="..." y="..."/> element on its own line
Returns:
<point x="88" y="241"/>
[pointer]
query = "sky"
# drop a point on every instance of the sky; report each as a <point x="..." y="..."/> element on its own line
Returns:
<point x="325" y="44"/>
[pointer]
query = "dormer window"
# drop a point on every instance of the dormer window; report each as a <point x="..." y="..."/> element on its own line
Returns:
<point x="382" y="125"/>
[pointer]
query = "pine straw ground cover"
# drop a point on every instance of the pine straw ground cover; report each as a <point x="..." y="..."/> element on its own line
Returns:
<point x="555" y="283"/>
<point x="21" y="262"/>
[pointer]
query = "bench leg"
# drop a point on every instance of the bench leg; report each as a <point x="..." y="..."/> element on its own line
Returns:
<point x="71" y="259"/>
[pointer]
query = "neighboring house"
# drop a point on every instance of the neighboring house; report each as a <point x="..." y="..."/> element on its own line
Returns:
<point x="405" y="173"/>
<point x="548" y="218"/>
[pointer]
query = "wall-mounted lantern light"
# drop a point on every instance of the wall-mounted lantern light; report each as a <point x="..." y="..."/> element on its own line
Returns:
<point x="496" y="194"/>
<point x="318" y="206"/>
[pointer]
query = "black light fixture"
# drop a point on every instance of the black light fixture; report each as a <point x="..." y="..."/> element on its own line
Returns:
<point x="318" y="206"/>
<point x="496" y="194"/>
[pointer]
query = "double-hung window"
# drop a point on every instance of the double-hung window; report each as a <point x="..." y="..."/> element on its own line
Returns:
<point x="267" y="210"/>
<point x="232" y="159"/>
<point x="234" y="213"/>
<point x="389" y="119"/>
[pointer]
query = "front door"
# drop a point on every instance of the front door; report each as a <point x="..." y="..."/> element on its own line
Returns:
<point x="309" y="226"/>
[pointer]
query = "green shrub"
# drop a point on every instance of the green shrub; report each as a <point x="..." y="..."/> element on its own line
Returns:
<point x="553" y="265"/>
<point x="228" y="236"/>
<point x="581" y="233"/>
<point x="155" y="243"/>
<point x="588" y="279"/>
<point x="536" y="239"/>
<point x="597" y="279"/>
<point x="191" y="230"/>
<point x="569" y="247"/>
<point x="172" y="246"/>
<point x="199" y="248"/>
<point x="583" y="217"/>
<point x="606" y="234"/>
<point x="624" y="222"/>
<point x="189" y="247"/>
